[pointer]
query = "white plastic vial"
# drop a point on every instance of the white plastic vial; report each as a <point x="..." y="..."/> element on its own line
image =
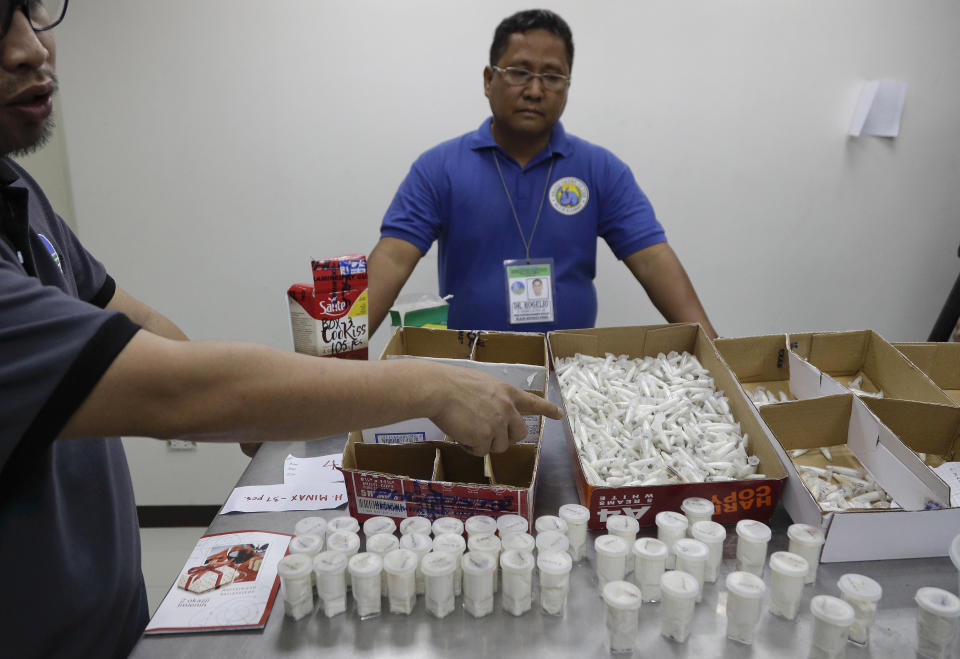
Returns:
<point x="382" y="544"/>
<point x="787" y="572"/>
<point x="955" y="557"/>
<point x="650" y="561"/>
<point x="549" y="523"/>
<point x="937" y="615"/>
<point x="454" y="545"/>
<point x="330" y="570"/>
<point x="420" y="544"/>
<point x="345" y="542"/>
<point x="806" y="541"/>
<point x="480" y="525"/>
<point x="294" y="571"/>
<point x="692" y="559"/>
<point x="863" y="594"/>
<point x="517" y="570"/>
<point x="438" y="569"/>
<point x="478" y="571"/>
<point x="576" y="517"/>
<point x="744" y="604"/>
<point x="311" y="545"/>
<point x="554" y="568"/>
<point x="311" y="526"/>
<point x="832" y="618"/>
<point x="365" y="569"/>
<point x="713" y="536"/>
<point x="488" y="544"/>
<point x="415" y="525"/>
<point x="623" y="601"/>
<point x="400" y="566"/>
<point x="508" y="524"/>
<point x="626" y="528"/>
<point x="678" y="592"/>
<point x="377" y="525"/>
<point x="549" y="541"/>
<point x="445" y="525"/>
<point x="697" y="509"/>
<point x="752" y="540"/>
<point x="522" y="542"/>
<point x="611" y="558"/>
<point x="671" y="527"/>
<point x="343" y="523"/>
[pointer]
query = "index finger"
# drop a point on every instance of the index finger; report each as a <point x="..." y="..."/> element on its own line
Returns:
<point x="529" y="403"/>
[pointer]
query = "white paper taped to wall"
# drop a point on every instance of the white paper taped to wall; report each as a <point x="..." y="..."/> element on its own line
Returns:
<point x="879" y="108"/>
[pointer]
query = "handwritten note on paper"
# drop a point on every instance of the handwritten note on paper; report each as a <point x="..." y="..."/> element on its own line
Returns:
<point x="273" y="498"/>
<point x="949" y="472"/>
<point x="322" y="469"/>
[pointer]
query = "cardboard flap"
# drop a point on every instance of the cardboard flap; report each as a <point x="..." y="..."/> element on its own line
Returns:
<point x="680" y="337"/>
<point x="512" y="348"/>
<point x="427" y="342"/>
<point x="810" y="423"/>
<point x="411" y="460"/>
<point x="897" y="376"/>
<point x="924" y="427"/>
<point x="807" y="381"/>
<point x="940" y="361"/>
<point x="455" y="465"/>
<point x="756" y="358"/>
<point x="514" y="467"/>
<point x="567" y="344"/>
<point x="837" y="352"/>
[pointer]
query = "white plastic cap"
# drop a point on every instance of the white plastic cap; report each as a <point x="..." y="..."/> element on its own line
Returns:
<point x="857" y="586"/>
<point x="650" y="548"/>
<point x="478" y="563"/>
<point x="691" y="549"/>
<point x="610" y="545"/>
<point x="311" y="526"/>
<point x="306" y="544"/>
<point x="420" y="543"/>
<point x="381" y="524"/>
<point x="489" y="544"/>
<point x="449" y="542"/>
<point x="549" y="523"/>
<point x="955" y="552"/>
<point x="518" y="542"/>
<point x="697" y="506"/>
<point x="622" y="595"/>
<point x="516" y="561"/>
<point x="481" y="525"/>
<point x="745" y="584"/>
<point x="551" y="541"/>
<point x="554" y="562"/>
<point x="382" y="543"/>
<point x="438" y="564"/>
<point x="708" y="531"/>
<point x="622" y="524"/>
<point x="512" y="524"/>
<point x="805" y="534"/>
<point x="329" y="562"/>
<point x="751" y="529"/>
<point x="415" y="525"/>
<point x="789" y="564"/>
<point x="343" y="523"/>
<point x="832" y="610"/>
<point x="400" y="561"/>
<point x="294" y="566"/>
<point x="574" y="513"/>
<point x="938" y="602"/>
<point x="365" y="564"/>
<point x="671" y="521"/>
<point x="444" y="525"/>
<point x="343" y="541"/>
<point x="679" y="584"/>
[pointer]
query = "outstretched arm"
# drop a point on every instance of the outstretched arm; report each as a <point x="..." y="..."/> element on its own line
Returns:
<point x="145" y="316"/>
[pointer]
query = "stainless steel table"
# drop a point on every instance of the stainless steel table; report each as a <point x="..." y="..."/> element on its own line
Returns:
<point x="580" y="633"/>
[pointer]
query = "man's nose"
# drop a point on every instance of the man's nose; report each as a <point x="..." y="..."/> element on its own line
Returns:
<point x="21" y="45"/>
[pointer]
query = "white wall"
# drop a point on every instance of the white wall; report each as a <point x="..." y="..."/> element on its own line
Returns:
<point x="216" y="146"/>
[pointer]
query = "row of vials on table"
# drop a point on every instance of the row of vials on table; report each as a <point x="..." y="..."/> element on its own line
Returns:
<point x="474" y="560"/>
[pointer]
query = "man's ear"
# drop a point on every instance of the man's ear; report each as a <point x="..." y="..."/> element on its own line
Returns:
<point x="487" y="79"/>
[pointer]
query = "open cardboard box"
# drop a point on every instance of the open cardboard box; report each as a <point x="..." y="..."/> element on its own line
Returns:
<point x="758" y="361"/>
<point x="733" y="500"/>
<point x="843" y="356"/>
<point x="868" y="534"/>
<point x="940" y="361"/>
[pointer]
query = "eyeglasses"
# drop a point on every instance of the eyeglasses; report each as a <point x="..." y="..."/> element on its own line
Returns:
<point x="42" y="14"/>
<point x="517" y="77"/>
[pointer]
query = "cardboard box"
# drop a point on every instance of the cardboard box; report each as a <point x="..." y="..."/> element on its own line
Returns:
<point x="758" y="361"/>
<point x="868" y="534"/>
<point x="734" y="500"/>
<point x="940" y="361"/>
<point x="842" y="356"/>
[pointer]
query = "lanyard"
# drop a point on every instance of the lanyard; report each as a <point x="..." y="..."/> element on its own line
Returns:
<point x="516" y="218"/>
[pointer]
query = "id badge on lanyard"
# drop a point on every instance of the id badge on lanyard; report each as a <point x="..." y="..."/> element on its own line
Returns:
<point x="530" y="290"/>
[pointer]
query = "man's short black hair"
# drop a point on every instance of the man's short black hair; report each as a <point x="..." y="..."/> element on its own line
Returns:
<point x="524" y="21"/>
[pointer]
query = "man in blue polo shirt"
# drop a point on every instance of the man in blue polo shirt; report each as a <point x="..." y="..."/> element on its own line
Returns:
<point x="520" y="200"/>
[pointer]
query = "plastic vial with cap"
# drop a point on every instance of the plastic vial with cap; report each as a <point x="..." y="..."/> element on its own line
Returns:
<point x="752" y="540"/>
<point x="382" y="544"/>
<point x="415" y="525"/>
<point x="438" y="569"/>
<point x="650" y="561"/>
<point x="311" y="526"/>
<point x="576" y="517"/>
<point x="955" y="558"/>
<point x="345" y="542"/>
<point x="516" y="568"/>
<point x="365" y="569"/>
<point x="509" y="524"/>
<point x="554" y="568"/>
<point x="420" y="544"/>
<point x="480" y="525"/>
<point x="488" y="544"/>
<point x="678" y="592"/>
<point x="862" y="593"/>
<point x="713" y="536"/>
<point x="744" y="604"/>
<point x="454" y="545"/>
<point x="623" y="601"/>
<point x="937" y="615"/>
<point x="343" y="523"/>
<point x="478" y="572"/>
<point x="294" y="572"/>
<point x="523" y="542"/>
<point x="311" y="545"/>
<point x="330" y="570"/>
<point x="400" y="566"/>
<point x="806" y="541"/>
<point x="671" y="527"/>
<point x="549" y="523"/>
<point x="692" y="559"/>
<point x="787" y="572"/>
<point x="832" y="618"/>
<point x="548" y="541"/>
<point x="445" y="525"/>
<point x="627" y="528"/>
<point x="697" y="509"/>
<point x="611" y="558"/>
<point x="377" y="525"/>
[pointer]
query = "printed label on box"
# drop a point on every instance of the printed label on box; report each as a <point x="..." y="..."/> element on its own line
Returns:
<point x="367" y="506"/>
<point x="399" y="437"/>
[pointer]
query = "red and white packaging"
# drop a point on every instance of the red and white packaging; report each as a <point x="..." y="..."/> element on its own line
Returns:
<point x="330" y="318"/>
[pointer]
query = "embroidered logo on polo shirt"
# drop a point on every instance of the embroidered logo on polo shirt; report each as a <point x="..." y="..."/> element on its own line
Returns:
<point x="569" y="195"/>
<point x="51" y="249"/>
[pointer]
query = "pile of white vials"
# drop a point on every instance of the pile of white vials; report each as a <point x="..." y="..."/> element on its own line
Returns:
<point x="651" y="421"/>
<point x="835" y="487"/>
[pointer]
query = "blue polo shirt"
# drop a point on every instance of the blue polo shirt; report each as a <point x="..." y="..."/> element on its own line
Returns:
<point x="454" y="194"/>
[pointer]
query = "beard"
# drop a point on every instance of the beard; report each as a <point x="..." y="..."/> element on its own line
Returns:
<point x="28" y="139"/>
<point x="46" y="132"/>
